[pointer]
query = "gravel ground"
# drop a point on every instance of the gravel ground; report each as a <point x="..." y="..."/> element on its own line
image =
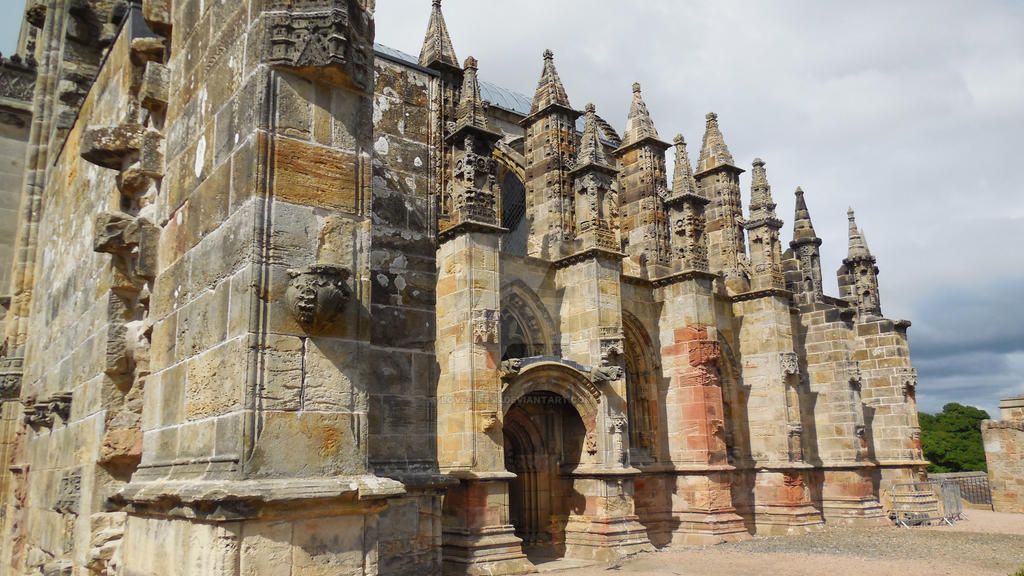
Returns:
<point x="986" y="544"/>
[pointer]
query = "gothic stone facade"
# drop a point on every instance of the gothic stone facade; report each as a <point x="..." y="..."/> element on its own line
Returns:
<point x="286" y="302"/>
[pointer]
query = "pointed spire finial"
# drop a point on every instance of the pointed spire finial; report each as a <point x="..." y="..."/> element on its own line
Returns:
<point x="803" y="230"/>
<point x="858" y="244"/>
<point x="761" y="203"/>
<point x="550" y="91"/>
<point x="470" y="112"/>
<point x="591" y="149"/>
<point x="437" y="48"/>
<point x="713" y="151"/>
<point x="639" y="124"/>
<point x="683" y="181"/>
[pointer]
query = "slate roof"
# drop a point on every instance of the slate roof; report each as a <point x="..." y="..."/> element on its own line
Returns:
<point x="500" y="97"/>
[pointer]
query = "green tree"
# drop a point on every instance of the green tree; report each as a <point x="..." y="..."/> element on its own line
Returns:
<point x="952" y="438"/>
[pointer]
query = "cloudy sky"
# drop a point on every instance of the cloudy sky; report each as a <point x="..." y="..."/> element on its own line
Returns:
<point x="911" y="112"/>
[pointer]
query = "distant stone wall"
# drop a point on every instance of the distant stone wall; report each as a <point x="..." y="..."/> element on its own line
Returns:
<point x="1004" y="451"/>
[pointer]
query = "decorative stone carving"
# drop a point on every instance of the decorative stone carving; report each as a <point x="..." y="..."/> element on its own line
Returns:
<point x="789" y="362"/>
<point x="69" y="493"/>
<point x="490" y="422"/>
<point x="590" y="442"/>
<point x="17" y="83"/>
<point x="60" y="405"/>
<point x="851" y="368"/>
<point x="908" y="378"/>
<point x="510" y="368"/>
<point x="37" y="414"/>
<point x="135" y="238"/>
<point x="617" y="426"/>
<point x="11" y="370"/>
<point x="611" y="351"/>
<point x="485" y="326"/>
<point x="317" y="294"/>
<point x="607" y="373"/>
<point x="916" y="449"/>
<point x="315" y="41"/>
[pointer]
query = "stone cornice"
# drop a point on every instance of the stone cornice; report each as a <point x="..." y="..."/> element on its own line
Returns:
<point x="755" y="294"/>
<point x="588" y="254"/>
<point x="466" y="227"/>
<point x="682" y="276"/>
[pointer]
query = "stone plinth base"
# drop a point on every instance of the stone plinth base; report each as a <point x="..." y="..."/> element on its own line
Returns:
<point x="494" y="550"/>
<point x="782" y="503"/>
<point x="477" y="537"/>
<point x="609" y="527"/>
<point x="702" y="510"/>
<point x="605" y="539"/>
<point x="705" y="529"/>
<point x="848" y="498"/>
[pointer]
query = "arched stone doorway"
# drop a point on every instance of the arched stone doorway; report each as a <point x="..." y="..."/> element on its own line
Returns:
<point x="548" y="427"/>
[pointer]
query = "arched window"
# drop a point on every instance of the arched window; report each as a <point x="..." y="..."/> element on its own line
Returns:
<point x="641" y="390"/>
<point x="526" y="328"/>
<point x="513" y="215"/>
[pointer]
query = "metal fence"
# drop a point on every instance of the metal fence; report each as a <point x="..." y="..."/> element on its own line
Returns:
<point x="917" y="503"/>
<point x="974" y="486"/>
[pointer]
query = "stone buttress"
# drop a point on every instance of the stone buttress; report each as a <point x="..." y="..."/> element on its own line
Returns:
<point x="769" y="373"/>
<point x="888" y="380"/>
<point x="825" y="343"/>
<point x="694" y="466"/>
<point x="477" y="535"/>
<point x="591" y="334"/>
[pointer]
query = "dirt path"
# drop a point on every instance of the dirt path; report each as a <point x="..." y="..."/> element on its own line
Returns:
<point x="987" y="544"/>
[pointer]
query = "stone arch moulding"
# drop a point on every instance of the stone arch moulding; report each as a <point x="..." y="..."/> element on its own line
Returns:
<point x="521" y="304"/>
<point x="560" y="379"/>
<point x="642" y="373"/>
<point x="513" y="161"/>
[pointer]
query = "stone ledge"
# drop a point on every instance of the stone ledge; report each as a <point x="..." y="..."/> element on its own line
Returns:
<point x="230" y="500"/>
<point x="669" y="467"/>
<point x="1003" y="425"/>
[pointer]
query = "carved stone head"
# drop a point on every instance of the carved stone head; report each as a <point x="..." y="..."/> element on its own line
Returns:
<point x="317" y="294"/>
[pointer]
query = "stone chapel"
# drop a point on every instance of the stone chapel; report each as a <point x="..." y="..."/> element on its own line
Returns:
<point x="283" y="301"/>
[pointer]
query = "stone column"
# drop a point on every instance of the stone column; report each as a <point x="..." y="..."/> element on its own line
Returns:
<point x="591" y="330"/>
<point x="702" y="510"/>
<point x="477" y="535"/>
